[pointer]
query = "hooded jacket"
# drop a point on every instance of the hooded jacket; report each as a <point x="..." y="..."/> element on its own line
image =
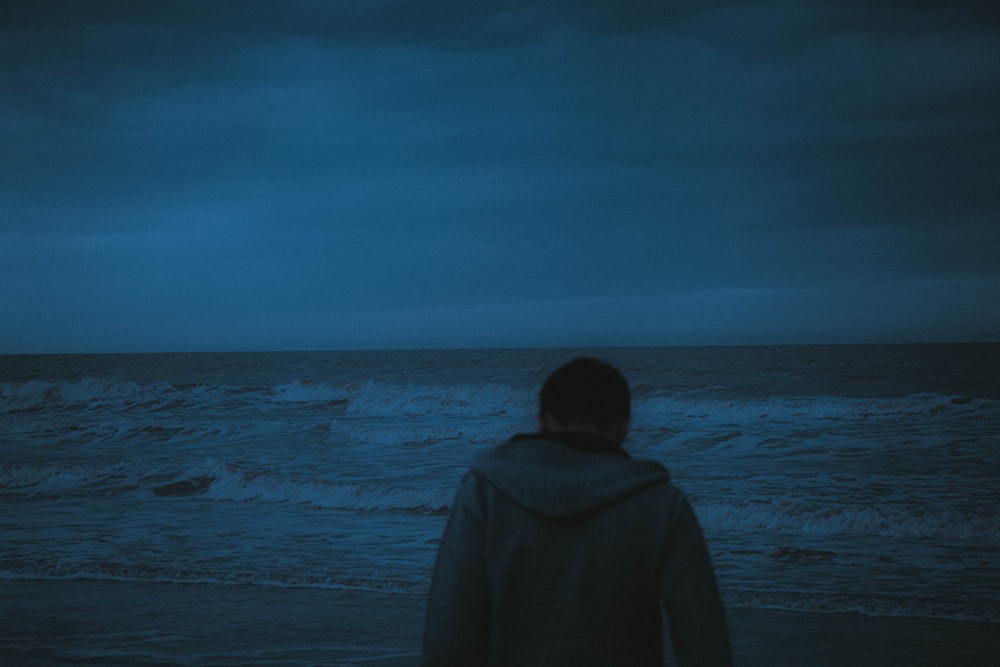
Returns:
<point x="560" y="550"/>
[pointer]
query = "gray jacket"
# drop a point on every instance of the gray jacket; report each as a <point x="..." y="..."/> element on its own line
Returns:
<point x="560" y="550"/>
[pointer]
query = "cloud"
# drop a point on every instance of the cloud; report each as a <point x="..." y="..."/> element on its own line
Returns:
<point x="256" y="167"/>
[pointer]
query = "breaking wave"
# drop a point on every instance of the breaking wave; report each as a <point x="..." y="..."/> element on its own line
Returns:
<point x="222" y="481"/>
<point x="501" y="401"/>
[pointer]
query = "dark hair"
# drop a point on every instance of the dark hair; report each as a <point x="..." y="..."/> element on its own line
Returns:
<point x="588" y="391"/>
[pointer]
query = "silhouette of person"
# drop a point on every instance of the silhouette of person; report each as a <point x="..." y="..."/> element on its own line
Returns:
<point x="561" y="549"/>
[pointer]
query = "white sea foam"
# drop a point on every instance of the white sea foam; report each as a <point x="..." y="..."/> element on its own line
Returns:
<point x="300" y="391"/>
<point x="231" y="483"/>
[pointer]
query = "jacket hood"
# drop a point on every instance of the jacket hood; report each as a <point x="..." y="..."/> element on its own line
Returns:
<point x="564" y="475"/>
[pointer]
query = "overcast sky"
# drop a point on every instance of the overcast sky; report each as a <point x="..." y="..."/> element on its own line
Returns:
<point x="324" y="175"/>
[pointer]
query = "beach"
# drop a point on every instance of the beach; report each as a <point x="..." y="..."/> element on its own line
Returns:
<point x="285" y="508"/>
<point x="133" y="623"/>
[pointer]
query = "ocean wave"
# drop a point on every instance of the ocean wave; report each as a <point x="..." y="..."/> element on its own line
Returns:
<point x="220" y="481"/>
<point x="798" y="409"/>
<point x="490" y="400"/>
<point x="463" y="433"/>
<point x="305" y="391"/>
<point x="376" y="399"/>
<point x="795" y="517"/>
<point x="227" y="482"/>
<point x="41" y="394"/>
<point x="366" y="398"/>
<point x="877" y="605"/>
<point x="174" y="575"/>
<point x="494" y="400"/>
<point x="60" y="479"/>
<point x="223" y="481"/>
<point x="97" y="394"/>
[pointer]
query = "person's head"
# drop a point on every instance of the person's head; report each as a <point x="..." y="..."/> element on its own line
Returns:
<point x="586" y="394"/>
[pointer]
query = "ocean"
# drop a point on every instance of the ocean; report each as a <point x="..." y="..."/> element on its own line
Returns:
<point x="285" y="507"/>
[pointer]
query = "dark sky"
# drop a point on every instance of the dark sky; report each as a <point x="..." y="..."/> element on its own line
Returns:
<point x="319" y="175"/>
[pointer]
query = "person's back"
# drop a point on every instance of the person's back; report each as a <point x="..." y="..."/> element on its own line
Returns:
<point x="559" y="550"/>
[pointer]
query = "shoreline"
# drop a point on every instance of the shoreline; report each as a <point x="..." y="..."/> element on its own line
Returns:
<point x="763" y="637"/>
<point x="48" y="623"/>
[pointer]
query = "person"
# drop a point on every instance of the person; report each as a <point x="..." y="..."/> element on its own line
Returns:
<point x="561" y="549"/>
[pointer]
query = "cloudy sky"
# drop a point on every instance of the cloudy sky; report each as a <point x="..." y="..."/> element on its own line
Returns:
<point x="323" y="175"/>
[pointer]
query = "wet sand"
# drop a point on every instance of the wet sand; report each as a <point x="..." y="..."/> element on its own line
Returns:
<point x="110" y="622"/>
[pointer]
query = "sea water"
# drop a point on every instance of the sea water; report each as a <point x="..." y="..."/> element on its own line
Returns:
<point x="830" y="478"/>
